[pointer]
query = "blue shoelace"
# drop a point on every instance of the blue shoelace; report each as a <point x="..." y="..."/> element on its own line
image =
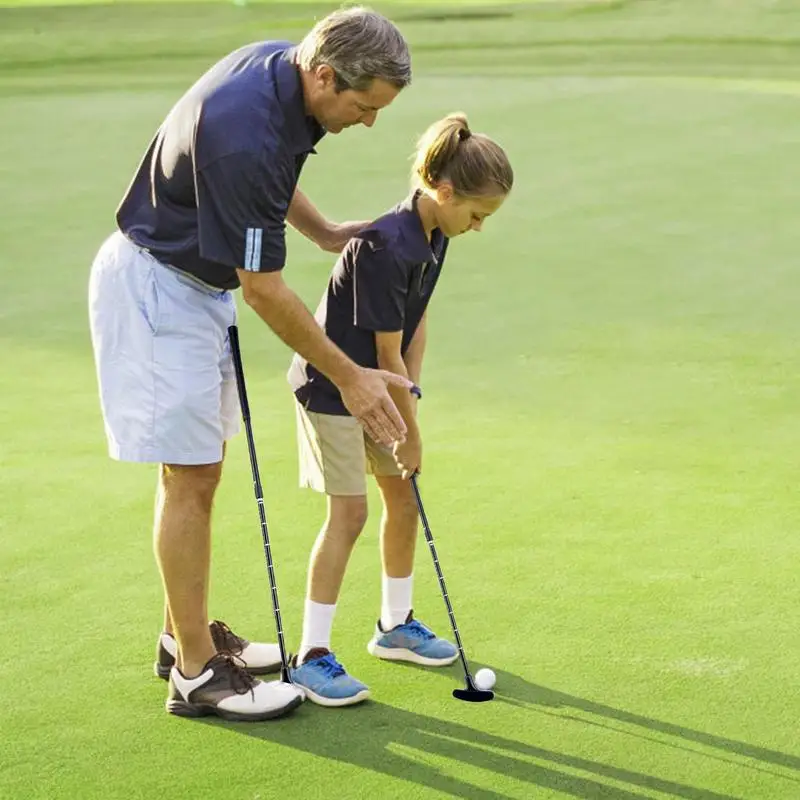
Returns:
<point x="330" y="666"/>
<point x="417" y="629"/>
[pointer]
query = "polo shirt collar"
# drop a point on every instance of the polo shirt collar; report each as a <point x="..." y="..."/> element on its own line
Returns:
<point x="419" y="247"/>
<point x="303" y="131"/>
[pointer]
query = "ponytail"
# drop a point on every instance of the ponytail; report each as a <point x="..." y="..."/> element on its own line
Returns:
<point x="473" y="163"/>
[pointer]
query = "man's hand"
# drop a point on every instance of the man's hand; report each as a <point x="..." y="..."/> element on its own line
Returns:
<point x="366" y="397"/>
<point x="330" y="236"/>
<point x="337" y="235"/>
<point x="364" y="391"/>
<point x="408" y="455"/>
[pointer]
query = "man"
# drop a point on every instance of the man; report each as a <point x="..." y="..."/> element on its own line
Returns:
<point x="205" y="213"/>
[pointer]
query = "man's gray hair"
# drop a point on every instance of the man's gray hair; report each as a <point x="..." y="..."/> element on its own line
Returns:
<point x="359" y="45"/>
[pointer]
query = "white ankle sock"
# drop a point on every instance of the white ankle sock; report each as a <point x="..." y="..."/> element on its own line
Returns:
<point x="396" y="601"/>
<point x="317" y="624"/>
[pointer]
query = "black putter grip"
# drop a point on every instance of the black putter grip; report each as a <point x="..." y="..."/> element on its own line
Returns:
<point x="416" y="391"/>
<point x="233" y="334"/>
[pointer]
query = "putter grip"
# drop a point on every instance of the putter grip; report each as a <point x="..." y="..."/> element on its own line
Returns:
<point x="233" y="335"/>
<point x="416" y="391"/>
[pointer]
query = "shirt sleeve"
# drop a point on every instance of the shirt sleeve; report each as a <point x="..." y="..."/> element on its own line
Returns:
<point x="380" y="286"/>
<point x="241" y="210"/>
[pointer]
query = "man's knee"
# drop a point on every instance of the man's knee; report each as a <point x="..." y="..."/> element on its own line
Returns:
<point x="198" y="483"/>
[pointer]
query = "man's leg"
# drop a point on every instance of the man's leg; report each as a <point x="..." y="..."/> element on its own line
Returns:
<point x="168" y="624"/>
<point x="258" y="657"/>
<point x="161" y="358"/>
<point x="183" y="550"/>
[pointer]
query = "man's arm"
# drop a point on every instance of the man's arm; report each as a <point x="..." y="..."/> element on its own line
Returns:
<point x="363" y="390"/>
<point x="304" y="217"/>
<point x="409" y="453"/>
<point x="241" y="213"/>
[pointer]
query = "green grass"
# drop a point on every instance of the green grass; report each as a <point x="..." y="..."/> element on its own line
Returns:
<point x="610" y="419"/>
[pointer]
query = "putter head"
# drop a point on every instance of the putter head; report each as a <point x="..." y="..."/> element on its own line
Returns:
<point x="473" y="695"/>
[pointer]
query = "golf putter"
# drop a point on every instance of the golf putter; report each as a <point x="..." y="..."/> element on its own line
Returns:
<point x="233" y="333"/>
<point x="471" y="693"/>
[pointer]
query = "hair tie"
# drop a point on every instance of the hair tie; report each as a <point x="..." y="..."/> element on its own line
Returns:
<point x="464" y="134"/>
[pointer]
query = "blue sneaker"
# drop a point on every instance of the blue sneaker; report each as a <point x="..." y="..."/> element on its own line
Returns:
<point x="412" y="641"/>
<point x="324" y="680"/>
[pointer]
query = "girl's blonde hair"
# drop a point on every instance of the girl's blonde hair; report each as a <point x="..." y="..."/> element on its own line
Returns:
<point x="475" y="165"/>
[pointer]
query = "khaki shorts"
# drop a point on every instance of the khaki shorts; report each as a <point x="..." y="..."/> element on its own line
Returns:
<point x="336" y="455"/>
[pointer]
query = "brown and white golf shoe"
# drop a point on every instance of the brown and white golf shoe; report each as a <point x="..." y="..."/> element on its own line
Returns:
<point x="258" y="658"/>
<point x="227" y="690"/>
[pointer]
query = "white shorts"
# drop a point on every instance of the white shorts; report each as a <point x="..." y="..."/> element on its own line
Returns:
<point x="164" y="367"/>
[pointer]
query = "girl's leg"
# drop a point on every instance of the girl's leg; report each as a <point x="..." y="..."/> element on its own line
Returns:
<point x="399" y="525"/>
<point x="400" y="636"/>
<point x="329" y="556"/>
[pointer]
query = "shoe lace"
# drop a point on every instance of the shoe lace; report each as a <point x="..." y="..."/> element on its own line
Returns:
<point x="331" y="667"/>
<point x="241" y="680"/>
<point x="418" y="630"/>
<point x="225" y="640"/>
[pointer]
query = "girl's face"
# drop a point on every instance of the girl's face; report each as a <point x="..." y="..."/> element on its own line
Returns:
<point x="456" y="215"/>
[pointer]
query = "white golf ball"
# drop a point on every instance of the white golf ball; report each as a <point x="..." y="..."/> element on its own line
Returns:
<point x="485" y="678"/>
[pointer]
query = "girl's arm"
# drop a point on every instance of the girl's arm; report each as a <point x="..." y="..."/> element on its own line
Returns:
<point x="416" y="350"/>
<point x="408" y="454"/>
<point x="389" y="358"/>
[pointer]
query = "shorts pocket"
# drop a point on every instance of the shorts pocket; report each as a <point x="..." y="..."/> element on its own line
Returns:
<point x="148" y="303"/>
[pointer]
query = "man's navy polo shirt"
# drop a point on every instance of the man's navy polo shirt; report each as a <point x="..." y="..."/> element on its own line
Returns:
<point x="214" y="188"/>
<point x="382" y="282"/>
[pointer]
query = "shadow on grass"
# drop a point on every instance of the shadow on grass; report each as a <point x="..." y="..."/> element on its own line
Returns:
<point x="520" y="692"/>
<point x="404" y="744"/>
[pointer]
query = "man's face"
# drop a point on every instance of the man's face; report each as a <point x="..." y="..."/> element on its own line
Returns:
<point x="336" y="111"/>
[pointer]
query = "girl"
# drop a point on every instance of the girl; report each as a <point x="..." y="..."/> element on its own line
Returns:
<point x="374" y="310"/>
